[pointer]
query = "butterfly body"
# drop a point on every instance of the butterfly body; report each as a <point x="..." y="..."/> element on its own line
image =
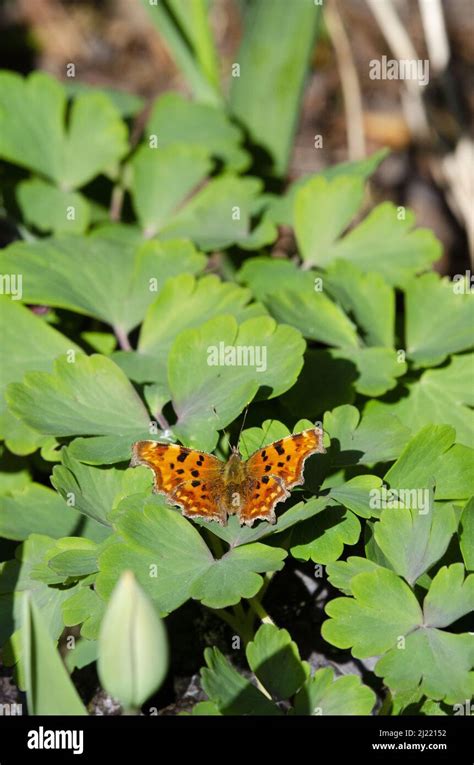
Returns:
<point x="204" y="486"/>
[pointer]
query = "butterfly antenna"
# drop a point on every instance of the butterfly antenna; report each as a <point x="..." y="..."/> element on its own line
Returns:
<point x="243" y="423"/>
<point x="226" y="433"/>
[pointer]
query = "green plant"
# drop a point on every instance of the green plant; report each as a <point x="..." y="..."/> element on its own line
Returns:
<point x="359" y="335"/>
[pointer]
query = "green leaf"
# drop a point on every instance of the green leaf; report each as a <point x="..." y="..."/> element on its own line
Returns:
<point x="423" y="664"/>
<point x="438" y="321"/>
<point x="356" y="494"/>
<point x="322" y="695"/>
<point x="51" y="209"/>
<point x="376" y="436"/>
<point x="275" y="660"/>
<point x="277" y="69"/>
<point x="454" y="475"/>
<point x="450" y="596"/>
<point x="466" y="534"/>
<point x="78" y="558"/>
<point x="187" y="34"/>
<point x="414" y="538"/>
<point x="204" y="299"/>
<point x="368" y="297"/>
<point x="271" y="357"/>
<point x="440" y="396"/>
<point x="378" y="368"/>
<point x="116" y="282"/>
<point x="323" y="210"/>
<point x="16" y="581"/>
<point x="220" y="214"/>
<point x="315" y="315"/>
<point x="90" y="396"/>
<point x="384" y="242"/>
<point x="418" y="462"/>
<point x="35" y="509"/>
<point x="49" y="691"/>
<point x="322" y="539"/>
<point x="133" y="647"/>
<point x="163" y="179"/>
<point x="33" y="132"/>
<point x="384" y="618"/>
<point x="172" y="562"/>
<point x="324" y="383"/>
<point x="127" y="104"/>
<point x="86" y="608"/>
<point x="83" y="653"/>
<point x="281" y="208"/>
<point x="383" y="608"/>
<point x="27" y="343"/>
<point x="230" y="691"/>
<point x="341" y="572"/>
<point x="177" y="120"/>
<point x="96" y="491"/>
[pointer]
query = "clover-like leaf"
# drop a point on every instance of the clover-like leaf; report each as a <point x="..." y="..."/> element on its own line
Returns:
<point x="368" y="297"/>
<point x="431" y="455"/>
<point x="205" y="299"/>
<point x="324" y="695"/>
<point x="383" y="608"/>
<point x="341" y="572"/>
<point x="423" y="663"/>
<point x="281" y="208"/>
<point x="40" y="345"/>
<point x="384" y="617"/>
<point x="163" y="179"/>
<point x="177" y="120"/>
<point x="438" y="321"/>
<point x="231" y="692"/>
<point x="322" y="538"/>
<point x="365" y="440"/>
<point x="51" y="209"/>
<point x="323" y="209"/>
<point x="440" y="396"/>
<point x="356" y="493"/>
<point x="89" y="396"/>
<point x="96" y="491"/>
<point x="450" y="596"/>
<point x="116" y="282"/>
<point x="378" y="368"/>
<point x="84" y="607"/>
<point x="315" y="315"/>
<point x="274" y="658"/>
<point x="34" y="135"/>
<point x="172" y="562"/>
<point x="414" y="538"/>
<point x="35" y="509"/>
<point x="384" y="242"/>
<point x="230" y="364"/>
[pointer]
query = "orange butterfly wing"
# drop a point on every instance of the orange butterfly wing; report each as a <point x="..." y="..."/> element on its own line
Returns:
<point x="188" y="478"/>
<point x="275" y="469"/>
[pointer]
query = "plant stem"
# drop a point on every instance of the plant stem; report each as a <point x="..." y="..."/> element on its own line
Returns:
<point x="259" y="610"/>
<point x="122" y="339"/>
<point x="116" y="202"/>
<point x="162" y="421"/>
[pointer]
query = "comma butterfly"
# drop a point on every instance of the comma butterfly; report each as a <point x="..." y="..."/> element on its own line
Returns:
<point x="204" y="486"/>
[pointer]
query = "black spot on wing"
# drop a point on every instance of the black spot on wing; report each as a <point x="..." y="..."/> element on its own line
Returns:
<point x="182" y="456"/>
